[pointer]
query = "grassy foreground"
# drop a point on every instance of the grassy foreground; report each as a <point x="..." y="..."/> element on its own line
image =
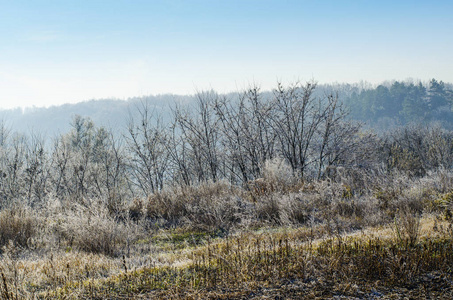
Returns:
<point x="385" y="262"/>
<point x="322" y="240"/>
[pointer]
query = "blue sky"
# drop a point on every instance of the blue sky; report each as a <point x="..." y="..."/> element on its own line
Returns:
<point x="54" y="52"/>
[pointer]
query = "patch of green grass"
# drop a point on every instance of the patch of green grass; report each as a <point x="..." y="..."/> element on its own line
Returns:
<point x="251" y="262"/>
<point x="179" y="239"/>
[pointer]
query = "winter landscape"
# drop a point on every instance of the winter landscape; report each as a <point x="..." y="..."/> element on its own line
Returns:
<point x="226" y="150"/>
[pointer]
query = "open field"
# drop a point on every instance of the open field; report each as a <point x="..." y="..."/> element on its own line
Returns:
<point x="226" y="150"/>
<point x="321" y="239"/>
<point x="367" y="264"/>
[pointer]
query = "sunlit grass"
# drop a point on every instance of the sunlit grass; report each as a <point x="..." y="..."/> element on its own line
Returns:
<point x="321" y="242"/>
<point x="247" y="263"/>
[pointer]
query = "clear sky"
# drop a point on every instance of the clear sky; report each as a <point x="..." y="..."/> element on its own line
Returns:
<point x="54" y="52"/>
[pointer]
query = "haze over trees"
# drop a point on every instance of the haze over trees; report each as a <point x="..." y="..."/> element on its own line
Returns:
<point x="402" y="103"/>
<point x="212" y="137"/>
<point x="379" y="107"/>
<point x="105" y="199"/>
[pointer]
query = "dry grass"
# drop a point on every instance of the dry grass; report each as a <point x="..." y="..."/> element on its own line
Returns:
<point x="267" y="263"/>
<point x="320" y="239"/>
<point x="18" y="225"/>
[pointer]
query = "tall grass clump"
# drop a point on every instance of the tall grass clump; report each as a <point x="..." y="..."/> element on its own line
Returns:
<point x="279" y="175"/>
<point x="92" y="229"/>
<point x="407" y="226"/>
<point x="208" y="206"/>
<point x="18" y="224"/>
<point x="277" y="263"/>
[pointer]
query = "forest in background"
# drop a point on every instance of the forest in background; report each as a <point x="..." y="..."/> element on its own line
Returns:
<point x="217" y="137"/>
<point x="401" y="103"/>
<point x="251" y="194"/>
<point x="381" y="107"/>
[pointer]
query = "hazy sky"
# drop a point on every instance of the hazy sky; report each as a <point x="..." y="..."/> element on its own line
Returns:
<point x="53" y="52"/>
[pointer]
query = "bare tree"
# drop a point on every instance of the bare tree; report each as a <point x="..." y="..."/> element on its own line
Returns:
<point x="180" y="164"/>
<point x="338" y="137"/>
<point x="61" y="162"/>
<point x="37" y="169"/>
<point x="87" y="162"/>
<point x="114" y="165"/>
<point x="146" y="142"/>
<point x="296" y="117"/>
<point x="199" y="128"/>
<point x="246" y="134"/>
<point x="14" y="165"/>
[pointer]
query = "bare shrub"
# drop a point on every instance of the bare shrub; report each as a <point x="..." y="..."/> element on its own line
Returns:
<point x="91" y="228"/>
<point x="444" y="204"/>
<point x="444" y="179"/>
<point x="277" y="177"/>
<point x="136" y="209"/>
<point x="279" y="174"/>
<point x="165" y="205"/>
<point x="18" y="224"/>
<point x="407" y="226"/>
<point x="222" y="212"/>
<point x="347" y="208"/>
<point x="368" y="212"/>
<point x="295" y="209"/>
<point x="408" y="205"/>
<point x="208" y="205"/>
<point x="268" y="209"/>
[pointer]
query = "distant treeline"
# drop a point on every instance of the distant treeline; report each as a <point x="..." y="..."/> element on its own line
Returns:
<point x="110" y="113"/>
<point x="214" y="138"/>
<point x="383" y="107"/>
<point x="401" y="103"/>
<point x="217" y="138"/>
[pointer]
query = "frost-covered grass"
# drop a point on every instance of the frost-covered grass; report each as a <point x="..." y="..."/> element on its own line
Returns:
<point x="392" y="236"/>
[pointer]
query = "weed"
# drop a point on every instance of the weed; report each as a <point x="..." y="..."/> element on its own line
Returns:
<point x="18" y="224"/>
